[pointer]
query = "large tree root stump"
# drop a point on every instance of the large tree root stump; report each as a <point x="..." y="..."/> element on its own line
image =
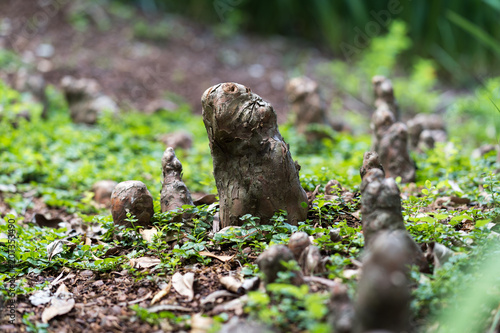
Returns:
<point x="253" y="168"/>
<point x="174" y="193"/>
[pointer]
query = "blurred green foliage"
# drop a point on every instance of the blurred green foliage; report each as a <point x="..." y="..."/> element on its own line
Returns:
<point x="458" y="35"/>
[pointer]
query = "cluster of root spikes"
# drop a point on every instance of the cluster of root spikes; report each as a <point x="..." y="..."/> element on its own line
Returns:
<point x="252" y="165"/>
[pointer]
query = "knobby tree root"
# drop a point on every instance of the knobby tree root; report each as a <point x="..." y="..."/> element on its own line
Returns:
<point x="383" y="301"/>
<point x="253" y="168"/>
<point x="133" y="197"/>
<point x="384" y="95"/>
<point x="382" y="211"/>
<point x="174" y="193"/>
<point x="309" y="108"/>
<point x="390" y="137"/>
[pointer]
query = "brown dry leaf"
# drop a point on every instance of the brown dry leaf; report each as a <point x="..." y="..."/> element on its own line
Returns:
<point x="42" y="221"/>
<point x="206" y="199"/>
<point x="88" y="241"/>
<point x="57" y="247"/>
<point x="62" y="289"/>
<point x="144" y="262"/>
<point x="200" y="324"/>
<point x="62" y="302"/>
<point x="221" y="258"/>
<point x="148" y="234"/>
<point x="162" y="293"/>
<point x="112" y="251"/>
<point x="231" y="283"/>
<point x="183" y="284"/>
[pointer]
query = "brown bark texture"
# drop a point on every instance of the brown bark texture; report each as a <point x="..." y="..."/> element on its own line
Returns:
<point x="308" y="107"/>
<point x="270" y="263"/>
<point x="371" y="160"/>
<point x="133" y="197"/>
<point x="384" y="94"/>
<point x="383" y="300"/>
<point x="341" y="316"/>
<point x="174" y="193"/>
<point x="253" y="168"/>
<point x="381" y="210"/>
<point x="394" y="155"/>
<point x="425" y="130"/>
<point x="382" y="120"/>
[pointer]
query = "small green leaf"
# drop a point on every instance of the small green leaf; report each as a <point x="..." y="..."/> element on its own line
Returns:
<point x="425" y="191"/>
<point x="482" y="223"/>
<point x="427" y="219"/>
<point x="428" y="184"/>
<point x="457" y="219"/>
<point x="440" y="216"/>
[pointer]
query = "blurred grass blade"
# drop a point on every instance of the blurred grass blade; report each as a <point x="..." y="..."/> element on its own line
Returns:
<point x="474" y="30"/>
<point x="496" y="106"/>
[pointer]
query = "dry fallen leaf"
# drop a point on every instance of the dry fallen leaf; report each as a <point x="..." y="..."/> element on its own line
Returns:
<point x="61" y="303"/>
<point x="57" y="247"/>
<point x="148" y="234"/>
<point x="41" y="297"/>
<point x="200" y="324"/>
<point x="206" y="199"/>
<point x="144" y="262"/>
<point x="162" y="293"/>
<point x="62" y="289"/>
<point x="57" y="307"/>
<point x="42" y="221"/>
<point x="183" y="284"/>
<point x="231" y="283"/>
<point x="221" y="258"/>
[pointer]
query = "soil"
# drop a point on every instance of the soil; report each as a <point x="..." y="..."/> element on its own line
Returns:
<point x="137" y="72"/>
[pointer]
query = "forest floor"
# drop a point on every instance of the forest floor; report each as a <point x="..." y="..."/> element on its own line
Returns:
<point x="139" y="70"/>
<point x="113" y="274"/>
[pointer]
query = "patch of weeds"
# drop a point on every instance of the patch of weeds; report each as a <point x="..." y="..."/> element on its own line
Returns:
<point x="446" y="288"/>
<point x="153" y="318"/>
<point x="255" y="235"/>
<point x="285" y="305"/>
<point x="34" y="327"/>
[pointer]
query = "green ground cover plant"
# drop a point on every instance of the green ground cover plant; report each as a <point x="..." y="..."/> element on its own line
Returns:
<point x="57" y="162"/>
